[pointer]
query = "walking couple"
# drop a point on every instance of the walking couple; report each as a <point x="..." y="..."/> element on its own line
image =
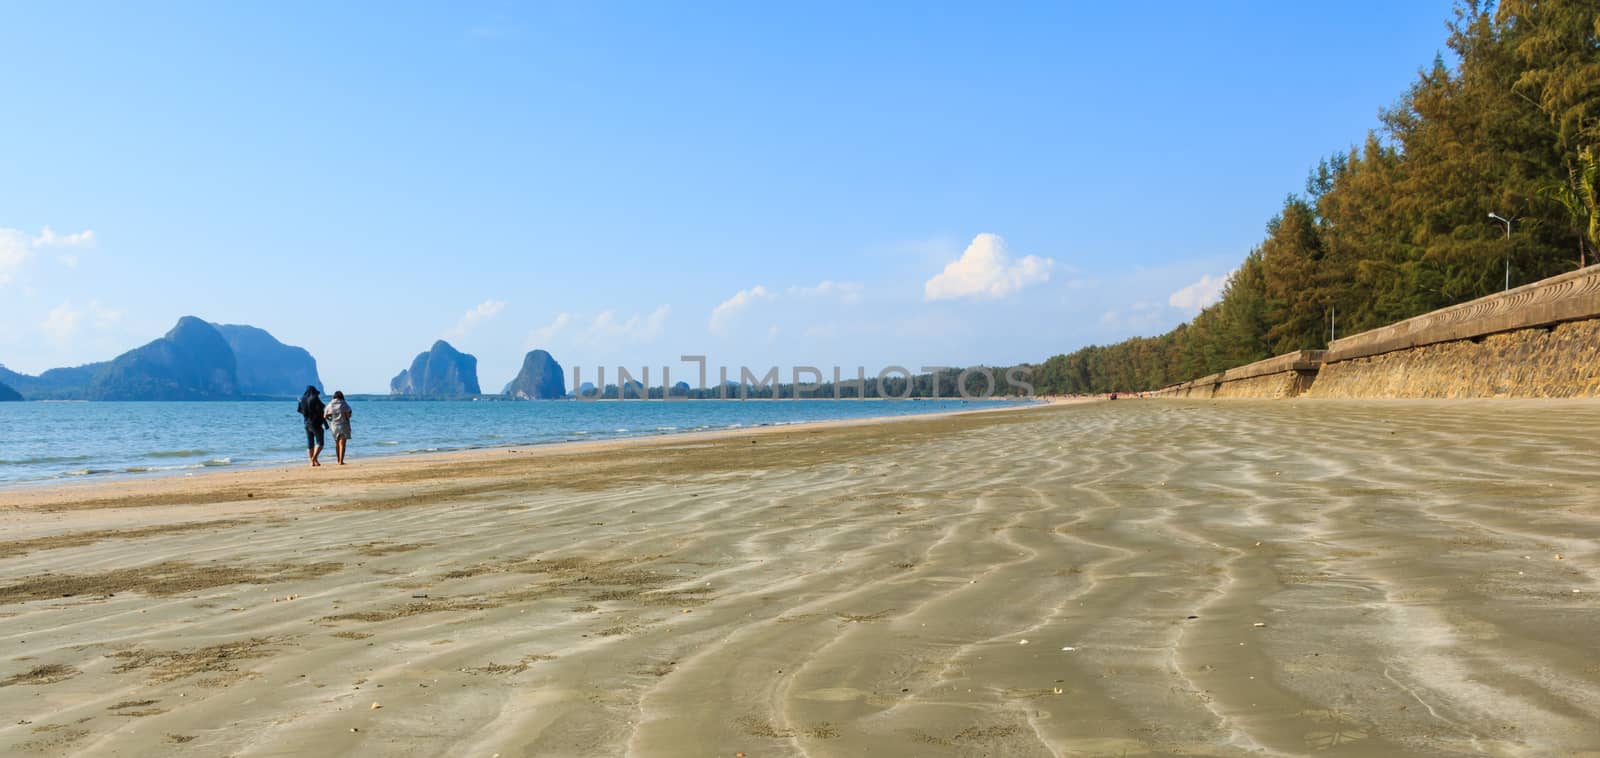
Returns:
<point x="334" y="415"/>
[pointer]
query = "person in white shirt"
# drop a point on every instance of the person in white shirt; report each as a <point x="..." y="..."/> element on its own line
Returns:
<point x="338" y="414"/>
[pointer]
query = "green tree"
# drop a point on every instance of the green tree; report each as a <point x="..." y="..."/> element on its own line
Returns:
<point x="1399" y="226"/>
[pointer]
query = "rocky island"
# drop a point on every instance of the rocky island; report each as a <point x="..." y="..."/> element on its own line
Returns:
<point x="190" y="362"/>
<point x="267" y="366"/>
<point x="441" y="371"/>
<point x="541" y="378"/>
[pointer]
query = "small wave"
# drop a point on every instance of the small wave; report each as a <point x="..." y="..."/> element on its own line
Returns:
<point x="666" y="429"/>
<point x="218" y="462"/>
<point x="580" y="433"/>
<point x="46" y="459"/>
<point x="86" y="472"/>
<point x="622" y="431"/>
<point x="386" y="443"/>
<point x="176" y="453"/>
<point x="153" y="469"/>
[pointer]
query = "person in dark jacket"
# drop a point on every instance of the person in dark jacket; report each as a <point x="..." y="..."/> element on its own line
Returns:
<point x="312" y="409"/>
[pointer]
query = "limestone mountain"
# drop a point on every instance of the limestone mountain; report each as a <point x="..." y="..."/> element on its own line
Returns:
<point x="8" y="394"/>
<point x="191" y="362"/>
<point x="539" y="379"/>
<point x="442" y="371"/>
<point x="267" y="366"/>
<point x="54" y="384"/>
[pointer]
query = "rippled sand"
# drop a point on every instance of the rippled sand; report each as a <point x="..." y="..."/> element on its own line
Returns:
<point x="1128" y="578"/>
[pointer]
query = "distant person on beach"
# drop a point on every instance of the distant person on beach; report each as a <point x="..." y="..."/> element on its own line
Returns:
<point x="339" y="414"/>
<point x="312" y="409"/>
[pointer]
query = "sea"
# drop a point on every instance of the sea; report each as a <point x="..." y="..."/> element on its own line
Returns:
<point x="61" y="441"/>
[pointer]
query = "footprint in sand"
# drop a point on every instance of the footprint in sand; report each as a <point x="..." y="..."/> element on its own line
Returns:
<point x="1339" y="730"/>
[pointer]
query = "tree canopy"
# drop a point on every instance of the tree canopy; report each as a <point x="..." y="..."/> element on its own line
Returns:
<point x="1401" y="225"/>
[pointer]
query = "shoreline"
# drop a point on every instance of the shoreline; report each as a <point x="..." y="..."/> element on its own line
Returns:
<point x="1079" y="579"/>
<point x="49" y="492"/>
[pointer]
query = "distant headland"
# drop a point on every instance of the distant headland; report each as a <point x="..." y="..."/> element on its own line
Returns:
<point x="195" y="360"/>
<point x="201" y="360"/>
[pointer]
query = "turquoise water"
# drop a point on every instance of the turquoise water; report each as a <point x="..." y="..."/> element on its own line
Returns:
<point x="56" y="441"/>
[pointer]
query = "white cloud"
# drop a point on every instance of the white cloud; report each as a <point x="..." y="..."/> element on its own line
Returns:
<point x="1142" y="316"/>
<point x="14" y="251"/>
<point x="848" y="292"/>
<point x="63" y="322"/>
<point x="483" y="311"/>
<point x="726" y="314"/>
<point x="722" y="316"/>
<point x="985" y="271"/>
<point x="542" y="336"/>
<point x="16" y="248"/>
<point x="104" y="318"/>
<point x="48" y="238"/>
<point x="607" y="327"/>
<point x="1200" y="294"/>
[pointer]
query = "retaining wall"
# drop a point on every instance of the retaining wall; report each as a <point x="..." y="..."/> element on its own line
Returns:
<point x="1573" y="296"/>
<point x="1285" y="375"/>
<point x="1538" y="340"/>
<point x="1282" y="376"/>
<point x="1562" y="360"/>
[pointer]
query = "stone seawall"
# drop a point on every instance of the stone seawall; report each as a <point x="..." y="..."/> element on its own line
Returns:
<point x="1280" y="385"/>
<point x="1573" y="296"/>
<point x="1538" y="340"/>
<point x="1557" y="361"/>
<point x="1285" y="375"/>
<point x="1199" y="388"/>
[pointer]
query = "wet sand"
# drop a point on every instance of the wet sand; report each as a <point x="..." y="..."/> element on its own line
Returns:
<point x="1128" y="578"/>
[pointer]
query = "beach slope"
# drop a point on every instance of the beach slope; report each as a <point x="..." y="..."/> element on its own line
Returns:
<point x="1128" y="578"/>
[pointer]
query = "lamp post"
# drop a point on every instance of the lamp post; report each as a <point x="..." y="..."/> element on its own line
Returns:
<point x="1507" y="222"/>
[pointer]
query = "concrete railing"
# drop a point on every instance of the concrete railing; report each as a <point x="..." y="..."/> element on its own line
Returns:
<point x="1572" y="296"/>
<point x="1299" y="360"/>
<point x="1303" y="363"/>
<point x="1559" y="369"/>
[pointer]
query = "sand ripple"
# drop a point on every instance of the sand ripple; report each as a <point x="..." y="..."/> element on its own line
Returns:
<point x="1129" y="578"/>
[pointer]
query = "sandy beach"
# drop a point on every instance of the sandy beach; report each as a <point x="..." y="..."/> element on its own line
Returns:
<point x="1123" y="578"/>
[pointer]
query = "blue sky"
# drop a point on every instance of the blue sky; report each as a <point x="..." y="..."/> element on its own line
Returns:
<point x="816" y="184"/>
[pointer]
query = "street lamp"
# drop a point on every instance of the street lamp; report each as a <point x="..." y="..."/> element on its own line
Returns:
<point x="1507" y="222"/>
